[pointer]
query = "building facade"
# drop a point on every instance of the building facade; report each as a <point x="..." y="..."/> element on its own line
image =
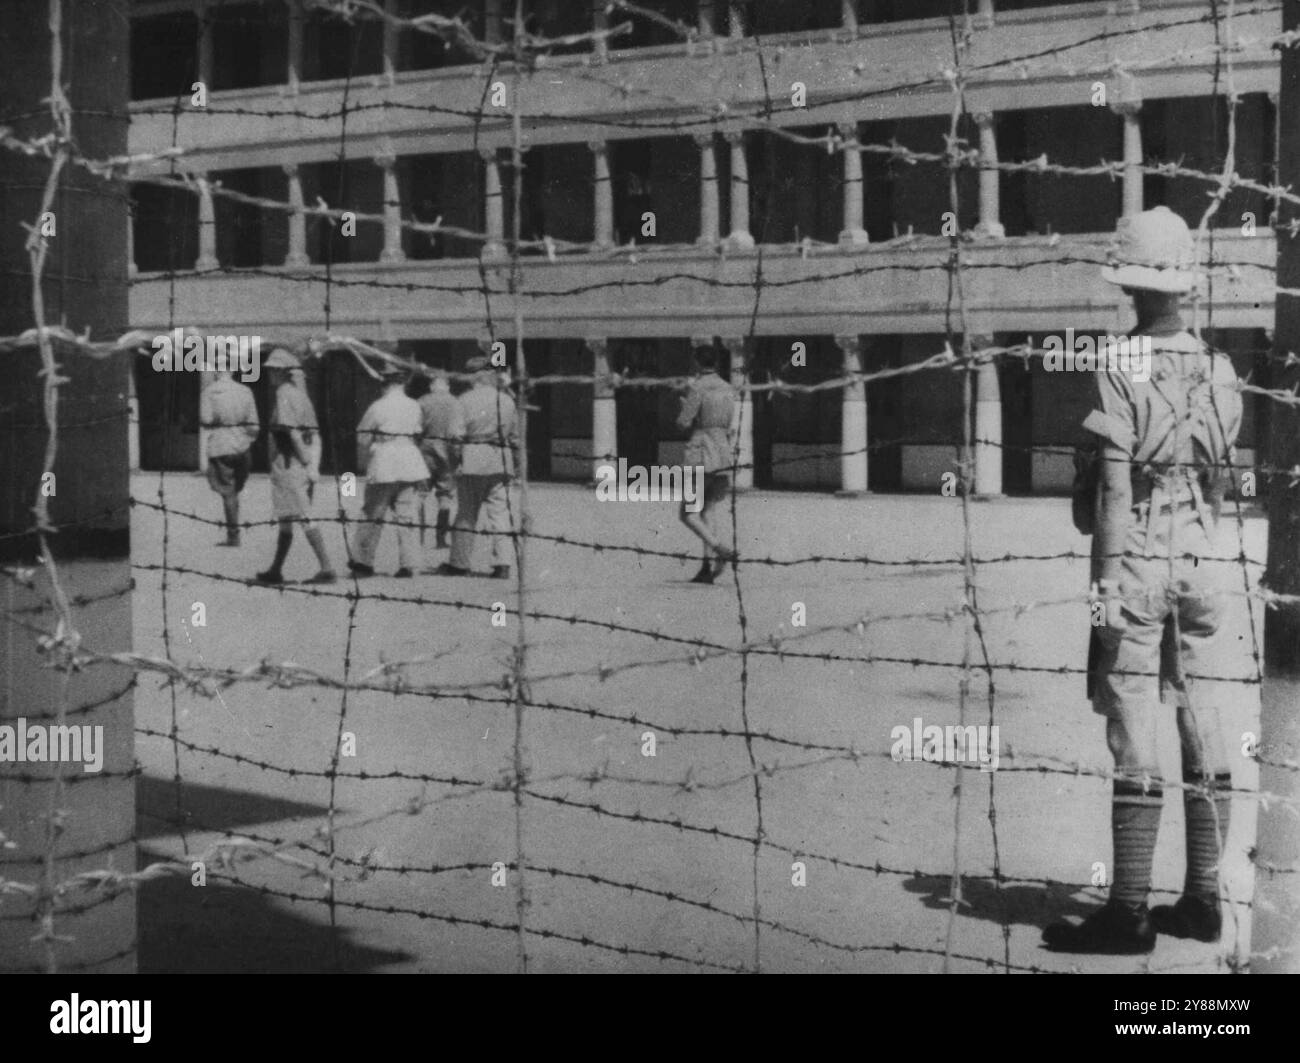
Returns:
<point x="749" y="233"/>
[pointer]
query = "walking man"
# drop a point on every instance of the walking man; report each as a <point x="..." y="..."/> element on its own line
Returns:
<point x="488" y="434"/>
<point x="293" y="432"/>
<point x="442" y="427"/>
<point x="1165" y="446"/>
<point x="708" y="408"/>
<point x="228" y="413"/>
<point x="395" y="474"/>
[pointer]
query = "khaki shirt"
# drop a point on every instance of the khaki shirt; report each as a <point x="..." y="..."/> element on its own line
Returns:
<point x="1188" y="413"/>
<point x="490" y="431"/>
<point x="707" y="411"/>
<point x="293" y="409"/>
<point x="443" y="425"/>
<point x="1186" y="416"/>
<point x="229" y="413"/>
<point x="387" y="435"/>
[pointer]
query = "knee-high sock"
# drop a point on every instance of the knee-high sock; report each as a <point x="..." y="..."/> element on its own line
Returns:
<point x="317" y="543"/>
<point x="282" y="544"/>
<point x="1207" y="826"/>
<point x="1135" y="821"/>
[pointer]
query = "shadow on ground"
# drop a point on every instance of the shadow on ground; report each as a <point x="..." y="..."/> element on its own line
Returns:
<point x="222" y="929"/>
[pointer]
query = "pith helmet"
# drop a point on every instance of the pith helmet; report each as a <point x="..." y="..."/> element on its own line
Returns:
<point x="281" y="359"/>
<point x="1154" y="251"/>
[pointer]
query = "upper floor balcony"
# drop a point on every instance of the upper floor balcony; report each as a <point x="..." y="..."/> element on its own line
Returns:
<point x="1041" y="57"/>
<point x="1025" y="284"/>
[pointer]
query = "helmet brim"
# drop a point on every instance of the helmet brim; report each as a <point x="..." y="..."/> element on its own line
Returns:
<point x="1149" y="278"/>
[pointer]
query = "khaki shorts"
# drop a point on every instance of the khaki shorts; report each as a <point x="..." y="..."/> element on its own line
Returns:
<point x="291" y="491"/>
<point x="1192" y="594"/>
<point x="228" y="473"/>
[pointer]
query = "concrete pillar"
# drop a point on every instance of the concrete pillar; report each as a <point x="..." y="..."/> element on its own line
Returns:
<point x="735" y="20"/>
<point x="392" y="251"/>
<point x="604" y="413"/>
<point x="990" y="223"/>
<point x="492" y="21"/>
<point x="853" y="421"/>
<point x="849" y="17"/>
<point x="131" y="269"/>
<point x="988" y="426"/>
<point x="604" y="196"/>
<point x="391" y="40"/>
<point x="853" y="233"/>
<point x="703" y="44"/>
<point x="1126" y="101"/>
<point x="704" y="14"/>
<point x="293" y="64"/>
<point x="205" y="380"/>
<point x="599" y="21"/>
<point x="739" y="239"/>
<point x="297" y="253"/>
<point x="132" y="416"/>
<point x="743" y="425"/>
<point x="709" y="221"/>
<point x="494" y="206"/>
<point x="204" y="43"/>
<point x="207" y="226"/>
<point x="86" y="822"/>
<point x="983" y="17"/>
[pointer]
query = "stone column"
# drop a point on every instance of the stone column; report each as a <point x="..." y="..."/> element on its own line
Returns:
<point x="853" y="421"/>
<point x="604" y="413"/>
<point x="988" y="426"/>
<point x="1126" y="101"/>
<point x="131" y="269"/>
<point x="990" y="223"/>
<point x="703" y="43"/>
<point x="493" y="205"/>
<point x="739" y="239"/>
<point x="708" y="192"/>
<point x="853" y="233"/>
<point x="744" y="419"/>
<point x="983" y="17"/>
<point x="204" y="43"/>
<point x="85" y="824"/>
<point x="207" y="226"/>
<point x="849" y="17"/>
<point x="293" y="72"/>
<point x="604" y="196"/>
<point x="599" y="21"/>
<point x="735" y="20"/>
<point x="492" y="21"/>
<point x="297" y="253"/>
<point x="392" y="251"/>
<point x="205" y="379"/>
<point x="391" y="40"/>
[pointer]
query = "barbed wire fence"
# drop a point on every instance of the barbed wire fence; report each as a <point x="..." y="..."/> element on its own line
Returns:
<point x="319" y="856"/>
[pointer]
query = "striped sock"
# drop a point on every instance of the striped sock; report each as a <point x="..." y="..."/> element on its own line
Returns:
<point x="1134" y="821"/>
<point x="1203" y="834"/>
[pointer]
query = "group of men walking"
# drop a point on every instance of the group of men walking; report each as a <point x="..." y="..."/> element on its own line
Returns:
<point x="415" y="438"/>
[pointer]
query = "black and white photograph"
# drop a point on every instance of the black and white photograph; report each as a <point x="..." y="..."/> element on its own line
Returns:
<point x="660" y="487"/>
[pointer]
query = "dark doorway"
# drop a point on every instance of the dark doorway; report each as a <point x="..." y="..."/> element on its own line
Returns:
<point x="637" y="408"/>
<point x="1015" y="384"/>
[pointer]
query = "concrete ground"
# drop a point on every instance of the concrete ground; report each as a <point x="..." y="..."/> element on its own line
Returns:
<point x="651" y="868"/>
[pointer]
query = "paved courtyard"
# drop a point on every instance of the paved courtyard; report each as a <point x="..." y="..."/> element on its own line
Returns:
<point x="650" y="867"/>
